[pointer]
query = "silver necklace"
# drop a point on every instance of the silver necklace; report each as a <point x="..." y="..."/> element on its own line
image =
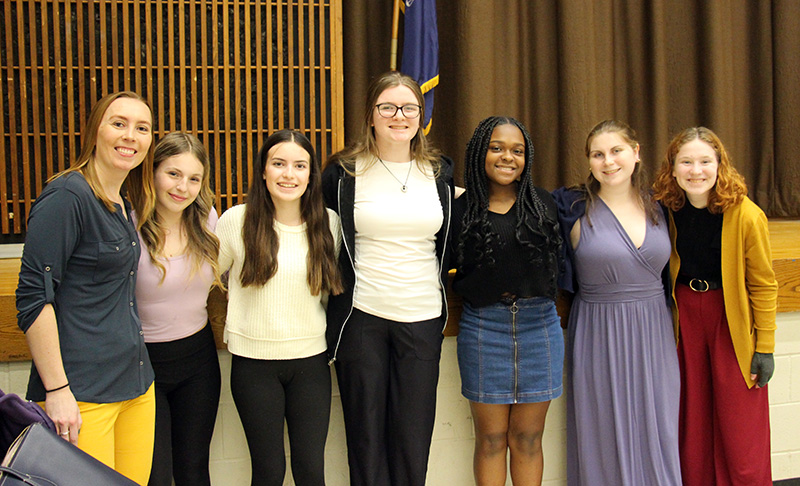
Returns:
<point x="403" y="185"/>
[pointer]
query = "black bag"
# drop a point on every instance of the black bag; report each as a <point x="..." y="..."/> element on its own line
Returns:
<point x="15" y="415"/>
<point x="39" y="457"/>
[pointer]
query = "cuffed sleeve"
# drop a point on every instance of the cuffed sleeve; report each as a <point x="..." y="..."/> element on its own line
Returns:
<point x="54" y="230"/>
<point x="336" y="230"/>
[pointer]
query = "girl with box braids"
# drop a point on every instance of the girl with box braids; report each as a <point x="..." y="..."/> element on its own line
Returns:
<point x="531" y="213"/>
<point x="510" y="344"/>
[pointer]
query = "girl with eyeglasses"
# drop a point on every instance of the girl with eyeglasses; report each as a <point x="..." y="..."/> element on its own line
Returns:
<point x="392" y="192"/>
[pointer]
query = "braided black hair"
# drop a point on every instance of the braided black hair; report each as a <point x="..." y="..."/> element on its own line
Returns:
<point x="531" y="212"/>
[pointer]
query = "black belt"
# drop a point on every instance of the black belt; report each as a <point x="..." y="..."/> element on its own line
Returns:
<point x="699" y="284"/>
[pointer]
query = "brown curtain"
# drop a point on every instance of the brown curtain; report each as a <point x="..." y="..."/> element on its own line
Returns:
<point x="562" y="66"/>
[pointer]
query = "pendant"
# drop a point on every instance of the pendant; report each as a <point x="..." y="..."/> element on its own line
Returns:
<point x="404" y="188"/>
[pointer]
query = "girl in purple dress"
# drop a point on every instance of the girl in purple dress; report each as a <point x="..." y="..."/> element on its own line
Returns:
<point x="622" y="400"/>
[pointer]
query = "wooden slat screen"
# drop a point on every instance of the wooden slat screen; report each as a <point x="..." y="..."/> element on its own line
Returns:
<point x="230" y="72"/>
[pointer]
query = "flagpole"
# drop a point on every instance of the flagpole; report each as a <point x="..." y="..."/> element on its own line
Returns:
<point x="395" y="29"/>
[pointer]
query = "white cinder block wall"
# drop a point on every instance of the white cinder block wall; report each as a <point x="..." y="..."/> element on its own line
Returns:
<point x="451" y="451"/>
<point x="784" y="397"/>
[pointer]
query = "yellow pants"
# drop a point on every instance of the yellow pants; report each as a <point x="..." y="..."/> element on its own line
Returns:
<point x="121" y="434"/>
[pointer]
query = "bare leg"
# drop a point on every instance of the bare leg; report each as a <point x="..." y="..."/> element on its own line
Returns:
<point x="525" y="428"/>
<point x="491" y="443"/>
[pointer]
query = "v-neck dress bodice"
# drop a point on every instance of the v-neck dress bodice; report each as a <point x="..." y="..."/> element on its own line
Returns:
<point x="610" y="266"/>
<point x="622" y="409"/>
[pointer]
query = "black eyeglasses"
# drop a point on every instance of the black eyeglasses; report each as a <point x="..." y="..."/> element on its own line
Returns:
<point x="388" y="110"/>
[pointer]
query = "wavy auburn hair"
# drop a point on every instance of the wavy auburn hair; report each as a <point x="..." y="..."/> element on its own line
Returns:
<point x="137" y="184"/>
<point x="728" y="191"/>
<point x="202" y="245"/>
<point x="258" y="231"/>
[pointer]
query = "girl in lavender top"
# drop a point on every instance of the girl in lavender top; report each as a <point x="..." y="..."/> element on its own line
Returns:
<point x="171" y="292"/>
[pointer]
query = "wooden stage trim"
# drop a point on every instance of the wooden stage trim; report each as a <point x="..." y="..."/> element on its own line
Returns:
<point x="785" y="253"/>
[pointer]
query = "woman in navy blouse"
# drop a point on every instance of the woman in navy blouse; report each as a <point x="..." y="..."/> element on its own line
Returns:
<point x="75" y="299"/>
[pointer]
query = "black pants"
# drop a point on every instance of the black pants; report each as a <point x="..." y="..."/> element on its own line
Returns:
<point x="387" y="373"/>
<point x="187" y="398"/>
<point x="267" y="391"/>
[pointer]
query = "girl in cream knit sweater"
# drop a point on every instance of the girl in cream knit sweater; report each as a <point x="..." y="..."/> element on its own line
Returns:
<point x="280" y="248"/>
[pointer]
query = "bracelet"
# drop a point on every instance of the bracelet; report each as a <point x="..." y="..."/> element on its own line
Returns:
<point x="56" y="389"/>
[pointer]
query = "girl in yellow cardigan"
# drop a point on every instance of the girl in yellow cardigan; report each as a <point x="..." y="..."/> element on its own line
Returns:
<point x="725" y="296"/>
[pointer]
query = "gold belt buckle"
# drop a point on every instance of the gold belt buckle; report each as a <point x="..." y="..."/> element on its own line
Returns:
<point x="702" y="285"/>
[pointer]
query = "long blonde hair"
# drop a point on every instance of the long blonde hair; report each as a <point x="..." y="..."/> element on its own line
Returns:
<point x="202" y="244"/>
<point x="366" y="145"/>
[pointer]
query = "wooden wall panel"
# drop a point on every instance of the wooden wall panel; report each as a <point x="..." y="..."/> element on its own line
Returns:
<point x="783" y="236"/>
<point x="230" y="72"/>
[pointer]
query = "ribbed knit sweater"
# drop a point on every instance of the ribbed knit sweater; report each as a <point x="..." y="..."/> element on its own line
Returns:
<point x="279" y="320"/>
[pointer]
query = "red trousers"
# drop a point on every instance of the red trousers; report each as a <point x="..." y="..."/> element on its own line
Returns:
<point x="724" y="425"/>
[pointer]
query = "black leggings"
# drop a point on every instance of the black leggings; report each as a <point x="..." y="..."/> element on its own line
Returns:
<point x="187" y="398"/>
<point x="267" y="391"/>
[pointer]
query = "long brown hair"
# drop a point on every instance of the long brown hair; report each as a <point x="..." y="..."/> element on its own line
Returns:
<point x="202" y="244"/>
<point x="729" y="189"/>
<point x="139" y="190"/>
<point x="591" y="187"/>
<point x="258" y="232"/>
<point x="366" y="145"/>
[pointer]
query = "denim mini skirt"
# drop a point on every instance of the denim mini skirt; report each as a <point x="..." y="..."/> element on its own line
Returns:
<point x="511" y="353"/>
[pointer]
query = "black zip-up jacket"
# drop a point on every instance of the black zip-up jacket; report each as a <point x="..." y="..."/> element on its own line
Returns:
<point x="339" y="189"/>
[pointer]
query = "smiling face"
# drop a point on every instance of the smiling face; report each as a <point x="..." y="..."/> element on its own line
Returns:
<point x="695" y="171"/>
<point x="612" y="160"/>
<point x="505" y="157"/>
<point x="398" y="129"/>
<point x="287" y="172"/>
<point x="178" y="181"/>
<point x="124" y="135"/>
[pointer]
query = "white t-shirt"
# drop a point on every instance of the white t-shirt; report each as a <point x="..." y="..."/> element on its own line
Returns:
<point x="397" y="274"/>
